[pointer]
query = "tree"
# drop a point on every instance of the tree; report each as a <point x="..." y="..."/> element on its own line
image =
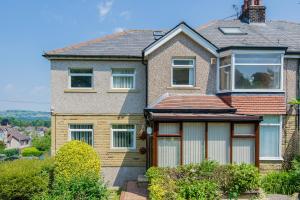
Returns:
<point x="42" y="143"/>
<point x="4" y="122"/>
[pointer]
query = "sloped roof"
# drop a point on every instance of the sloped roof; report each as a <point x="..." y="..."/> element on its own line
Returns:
<point x="131" y="43"/>
<point x="269" y="34"/>
<point x="13" y="133"/>
<point x="196" y="102"/>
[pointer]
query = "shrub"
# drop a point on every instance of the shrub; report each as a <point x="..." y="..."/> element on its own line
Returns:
<point x="22" y="179"/>
<point x="200" y="190"/>
<point x="280" y="183"/>
<point x="236" y="179"/>
<point x="31" y="151"/>
<point x="83" y="188"/>
<point x="2" y="146"/>
<point x="10" y="152"/>
<point x="42" y="143"/>
<point x="75" y="159"/>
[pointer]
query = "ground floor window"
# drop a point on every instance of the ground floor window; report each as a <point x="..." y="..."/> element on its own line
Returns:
<point x="123" y="136"/>
<point x="81" y="132"/>
<point x="270" y="137"/>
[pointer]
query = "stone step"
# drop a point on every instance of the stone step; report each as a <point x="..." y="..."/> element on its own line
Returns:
<point x="142" y="181"/>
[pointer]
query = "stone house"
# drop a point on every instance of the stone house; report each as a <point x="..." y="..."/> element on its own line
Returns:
<point x="146" y="98"/>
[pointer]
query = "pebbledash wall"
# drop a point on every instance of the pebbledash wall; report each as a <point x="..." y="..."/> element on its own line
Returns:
<point x="100" y="107"/>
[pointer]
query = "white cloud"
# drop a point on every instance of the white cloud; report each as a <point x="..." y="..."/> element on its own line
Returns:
<point x="125" y="14"/>
<point x="104" y="8"/>
<point x="118" y="30"/>
<point x="8" y="87"/>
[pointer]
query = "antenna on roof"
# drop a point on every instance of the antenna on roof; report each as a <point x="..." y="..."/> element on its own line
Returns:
<point x="158" y="34"/>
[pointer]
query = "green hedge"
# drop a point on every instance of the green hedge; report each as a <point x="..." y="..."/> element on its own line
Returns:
<point x="22" y="179"/>
<point x="31" y="151"/>
<point x="10" y="152"/>
<point x="207" y="180"/>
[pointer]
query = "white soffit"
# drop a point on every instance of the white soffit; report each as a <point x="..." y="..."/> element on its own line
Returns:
<point x="188" y="31"/>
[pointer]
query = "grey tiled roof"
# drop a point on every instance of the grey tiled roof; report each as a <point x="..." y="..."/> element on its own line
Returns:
<point x="131" y="43"/>
<point x="269" y="34"/>
<point x="126" y="43"/>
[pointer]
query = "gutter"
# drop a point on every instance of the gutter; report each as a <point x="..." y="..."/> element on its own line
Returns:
<point x="251" y="48"/>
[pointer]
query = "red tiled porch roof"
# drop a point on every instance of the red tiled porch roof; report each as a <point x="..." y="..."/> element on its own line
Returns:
<point x="191" y="102"/>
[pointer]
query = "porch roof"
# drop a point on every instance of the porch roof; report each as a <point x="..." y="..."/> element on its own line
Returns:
<point x="205" y="117"/>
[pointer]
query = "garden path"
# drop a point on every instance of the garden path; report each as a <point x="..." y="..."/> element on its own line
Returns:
<point x="133" y="192"/>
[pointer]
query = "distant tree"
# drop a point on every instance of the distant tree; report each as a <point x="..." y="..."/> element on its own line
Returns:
<point x="4" y="122"/>
<point x="42" y="143"/>
<point x="2" y="145"/>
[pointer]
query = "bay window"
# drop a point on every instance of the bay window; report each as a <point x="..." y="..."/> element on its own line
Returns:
<point x="251" y="72"/>
<point x="270" y="137"/>
<point x="183" y="72"/>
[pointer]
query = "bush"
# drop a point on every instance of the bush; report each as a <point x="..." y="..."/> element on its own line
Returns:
<point x="42" y="143"/>
<point x="22" y="179"/>
<point x="280" y="183"/>
<point x="10" y="152"/>
<point x="200" y="190"/>
<point x="83" y="188"/>
<point x="31" y="151"/>
<point x="75" y="159"/>
<point x="2" y="146"/>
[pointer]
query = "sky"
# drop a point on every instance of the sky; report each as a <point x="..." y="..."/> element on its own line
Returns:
<point x="29" y="28"/>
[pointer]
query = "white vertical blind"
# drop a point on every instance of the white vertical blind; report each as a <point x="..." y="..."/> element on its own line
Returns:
<point x="168" y="128"/>
<point x="123" y="78"/>
<point x="243" y="151"/>
<point x="219" y="142"/>
<point x="193" y="142"/>
<point x="168" y="152"/>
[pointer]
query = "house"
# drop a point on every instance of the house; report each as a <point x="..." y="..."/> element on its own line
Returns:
<point x="146" y="98"/>
<point x="12" y="138"/>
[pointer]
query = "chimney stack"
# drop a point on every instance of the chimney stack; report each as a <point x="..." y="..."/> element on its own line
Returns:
<point x="253" y="11"/>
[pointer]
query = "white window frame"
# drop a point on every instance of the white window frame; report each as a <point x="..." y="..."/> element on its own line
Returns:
<point x="184" y="67"/>
<point x="80" y="74"/>
<point x="233" y="64"/>
<point x="280" y="139"/>
<point x="70" y="131"/>
<point x="112" y="137"/>
<point x="122" y="75"/>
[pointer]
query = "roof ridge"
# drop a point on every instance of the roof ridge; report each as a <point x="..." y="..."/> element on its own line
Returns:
<point x="285" y="21"/>
<point x="78" y="45"/>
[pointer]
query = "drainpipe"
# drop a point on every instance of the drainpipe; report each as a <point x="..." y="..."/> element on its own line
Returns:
<point x="298" y="107"/>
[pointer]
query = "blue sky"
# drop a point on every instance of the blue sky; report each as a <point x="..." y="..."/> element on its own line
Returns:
<point x="28" y="28"/>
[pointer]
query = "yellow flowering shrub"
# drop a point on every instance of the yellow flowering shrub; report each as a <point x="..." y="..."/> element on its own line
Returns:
<point x="76" y="159"/>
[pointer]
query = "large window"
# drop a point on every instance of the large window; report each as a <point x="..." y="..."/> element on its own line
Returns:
<point x="251" y="72"/>
<point x="183" y="72"/>
<point x="270" y="137"/>
<point x="81" y="132"/>
<point x="123" y="78"/>
<point x="123" y="136"/>
<point x="81" y="78"/>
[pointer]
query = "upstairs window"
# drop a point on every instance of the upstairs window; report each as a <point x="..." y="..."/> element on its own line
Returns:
<point x="183" y="72"/>
<point x="81" y="78"/>
<point x="251" y="72"/>
<point x="123" y="78"/>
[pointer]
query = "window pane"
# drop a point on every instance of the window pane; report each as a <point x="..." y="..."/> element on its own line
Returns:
<point x="122" y="126"/>
<point x="84" y="135"/>
<point x="183" y="76"/>
<point x="81" y="126"/>
<point x="168" y="128"/>
<point x="81" y="81"/>
<point x="244" y="129"/>
<point x="81" y="71"/>
<point x="257" y="77"/>
<point x="123" y="82"/>
<point x="168" y="152"/>
<point x="123" y="139"/>
<point x="271" y="119"/>
<point x="123" y="71"/>
<point x="258" y="58"/>
<point x="183" y="62"/>
<point x="225" y="78"/>
<point x="269" y="141"/>
<point x="225" y="61"/>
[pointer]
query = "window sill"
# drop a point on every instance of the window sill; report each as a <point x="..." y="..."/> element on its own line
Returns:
<point x="271" y="159"/>
<point x="183" y="88"/>
<point x="123" y="151"/>
<point x="123" y="91"/>
<point x="80" y="91"/>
